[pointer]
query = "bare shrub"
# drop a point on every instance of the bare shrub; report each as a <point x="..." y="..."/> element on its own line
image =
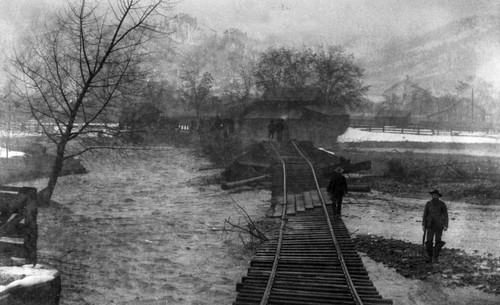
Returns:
<point x="254" y="231"/>
<point x="395" y="169"/>
<point x="220" y="149"/>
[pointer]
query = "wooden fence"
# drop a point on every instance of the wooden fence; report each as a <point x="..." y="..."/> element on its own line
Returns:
<point x="423" y="129"/>
<point x="18" y="224"/>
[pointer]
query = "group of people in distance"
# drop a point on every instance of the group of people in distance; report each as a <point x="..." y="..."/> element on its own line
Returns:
<point x="434" y="220"/>
<point x="279" y="128"/>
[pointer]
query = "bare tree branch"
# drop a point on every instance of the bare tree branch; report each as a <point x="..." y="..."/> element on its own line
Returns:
<point x="74" y="70"/>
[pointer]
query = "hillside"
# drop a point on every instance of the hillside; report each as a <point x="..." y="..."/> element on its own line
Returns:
<point x="440" y="58"/>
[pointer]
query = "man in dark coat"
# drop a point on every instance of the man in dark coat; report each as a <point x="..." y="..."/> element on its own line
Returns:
<point x="434" y="221"/>
<point x="271" y="128"/>
<point x="279" y="129"/>
<point x="337" y="188"/>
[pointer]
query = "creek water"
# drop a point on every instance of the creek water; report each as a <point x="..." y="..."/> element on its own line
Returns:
<point x="141" y="227"/>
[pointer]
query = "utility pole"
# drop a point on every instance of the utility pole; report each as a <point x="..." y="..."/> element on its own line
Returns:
<point x="7" y="144"/>
<point x="472" y="106"/>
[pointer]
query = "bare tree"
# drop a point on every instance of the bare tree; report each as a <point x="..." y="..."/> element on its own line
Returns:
<point x="328" y="68"/>
<point x="338" y="76"/>
<point x="74" y="71"/>
<point x="284" y="68"/>
<point x="195" y="89"/>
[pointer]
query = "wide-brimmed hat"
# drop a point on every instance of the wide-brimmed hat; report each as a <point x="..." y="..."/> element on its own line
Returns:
<point x="436" y="192"/>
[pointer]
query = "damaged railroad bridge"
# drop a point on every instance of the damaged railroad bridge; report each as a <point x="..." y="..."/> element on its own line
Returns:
<point x="260" y="164"/>
<point x="312" y="259"/>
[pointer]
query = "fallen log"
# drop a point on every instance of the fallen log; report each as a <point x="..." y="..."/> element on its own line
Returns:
<point x="229" y="185"/>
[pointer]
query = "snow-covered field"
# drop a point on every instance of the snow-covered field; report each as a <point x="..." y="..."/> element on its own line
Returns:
<point x="474" y="143"/>
<point x="10" y="153"/>
<point x="357" y="135"/>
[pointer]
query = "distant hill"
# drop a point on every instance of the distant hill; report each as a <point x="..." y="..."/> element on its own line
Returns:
<point x="438" y="59"/>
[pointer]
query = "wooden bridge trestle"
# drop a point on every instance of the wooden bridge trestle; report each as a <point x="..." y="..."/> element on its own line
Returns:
<point x="313" y="260"/>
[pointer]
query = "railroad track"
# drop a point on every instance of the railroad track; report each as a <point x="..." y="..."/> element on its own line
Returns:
<point x="313" y="260"/>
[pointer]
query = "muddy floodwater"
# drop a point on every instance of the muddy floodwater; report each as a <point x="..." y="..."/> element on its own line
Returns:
<point x="142" y="227"/>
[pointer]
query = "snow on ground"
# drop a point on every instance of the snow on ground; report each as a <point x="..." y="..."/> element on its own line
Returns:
<point x="3" y="153"/>
<point x="16" y="134"/>
<point x="356" y="135"/>
<point x="25" y="276"/>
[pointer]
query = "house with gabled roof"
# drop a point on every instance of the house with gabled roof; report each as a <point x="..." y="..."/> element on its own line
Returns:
<point x="409" y="96"/>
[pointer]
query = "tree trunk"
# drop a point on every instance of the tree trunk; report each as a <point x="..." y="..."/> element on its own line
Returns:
<point x="45" y="194"/>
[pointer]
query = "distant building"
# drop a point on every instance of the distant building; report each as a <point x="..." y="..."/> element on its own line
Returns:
<point x="302" y="111"/>
<point x="393" y="117"/>
<point x="408" y="96"/>
<point x="405" y="102"/>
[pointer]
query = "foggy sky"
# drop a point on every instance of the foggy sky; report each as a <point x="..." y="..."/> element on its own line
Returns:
<point x="333" y="21"/>
<point x="294" y="20"/>
<point x="340" y="22"/>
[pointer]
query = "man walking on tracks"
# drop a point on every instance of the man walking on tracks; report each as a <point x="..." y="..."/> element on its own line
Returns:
<point x="337" y="188"/>
<point x="271" y="128"/>
<point x="434" y="221"/>
<point x="279" y="129"/>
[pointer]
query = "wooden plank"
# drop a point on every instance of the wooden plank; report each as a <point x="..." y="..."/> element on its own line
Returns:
<point x="326" y="197"/>
<point x="315" y="199"/>
<point x="299" y="203"/>
<point x="9" y="249"/>
<point x="278" y="210"/>
<point x="290" y="208"/>
<point x="308" y="200"/>
<point x="11" y="224"/>
<point x="279" y="200"/>
<point x="10" y="202"/>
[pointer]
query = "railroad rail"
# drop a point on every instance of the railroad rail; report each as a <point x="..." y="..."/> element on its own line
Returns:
<point x="313" y="259"/>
